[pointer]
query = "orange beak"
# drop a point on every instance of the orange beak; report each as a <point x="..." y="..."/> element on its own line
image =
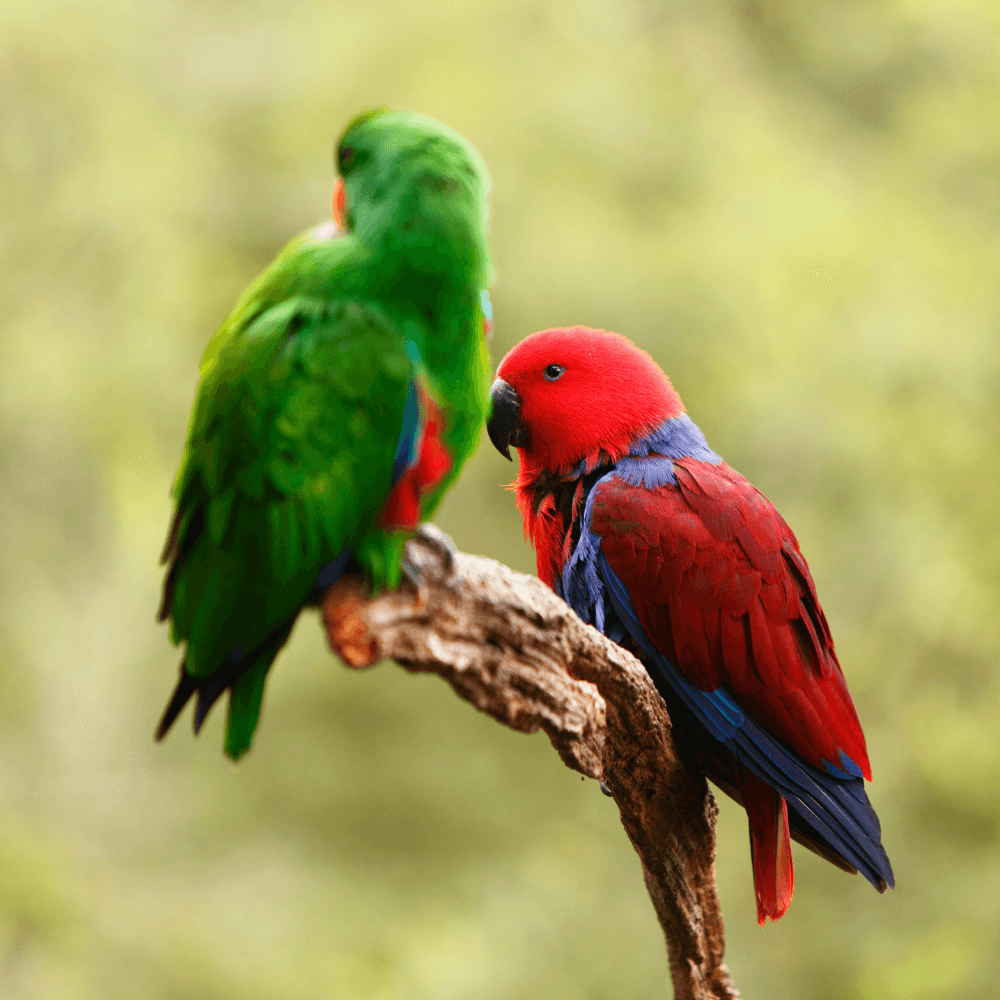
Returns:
<point x="339" y="203"/>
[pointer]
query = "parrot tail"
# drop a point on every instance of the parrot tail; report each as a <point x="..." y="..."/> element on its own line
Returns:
<point x="246" y="695"/>
<point x="770" y="845"/>
<point x="243" y="674"/>
<point x="186" y="687"/>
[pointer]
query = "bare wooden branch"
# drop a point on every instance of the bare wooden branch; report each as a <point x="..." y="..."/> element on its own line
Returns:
<point x="513" y="649"/>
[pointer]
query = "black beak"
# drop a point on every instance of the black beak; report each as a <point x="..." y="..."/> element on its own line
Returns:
<point x="506" y="427"/>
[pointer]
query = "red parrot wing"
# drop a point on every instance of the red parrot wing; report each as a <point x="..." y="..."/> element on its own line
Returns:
<point x="721" y="589"/>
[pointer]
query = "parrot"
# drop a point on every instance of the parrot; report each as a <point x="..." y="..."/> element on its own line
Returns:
<point x="649" y="536"/>
<point x="336" y="404"/>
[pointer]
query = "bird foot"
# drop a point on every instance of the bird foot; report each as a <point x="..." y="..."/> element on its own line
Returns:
<point x="438" y="542"/>
<point x="412" y="572"/>
<point x="606" y="790"/>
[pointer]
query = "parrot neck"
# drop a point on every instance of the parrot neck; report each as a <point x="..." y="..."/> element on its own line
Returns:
<point x="551" y="505"/>
<point x="425" y="233"/>
<point x="436" y="286"/>
<point x="553" y="502"/>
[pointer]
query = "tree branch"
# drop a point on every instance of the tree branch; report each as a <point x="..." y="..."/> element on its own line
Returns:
<point x="513" y="649"/>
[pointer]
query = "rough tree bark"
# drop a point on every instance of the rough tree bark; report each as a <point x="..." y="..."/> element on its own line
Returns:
<point x="513" y="649"/>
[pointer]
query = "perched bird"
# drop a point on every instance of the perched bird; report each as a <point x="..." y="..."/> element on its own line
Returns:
<point x="651" y="537"/>
<point x="337" y="402"/>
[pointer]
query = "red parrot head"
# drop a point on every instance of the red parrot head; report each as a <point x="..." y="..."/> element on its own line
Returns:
<point x="566" y="396"/>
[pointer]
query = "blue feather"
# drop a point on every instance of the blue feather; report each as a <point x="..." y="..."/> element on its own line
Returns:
<point x="678" y="437"/>
<point x="581" y="586"/>
<point x="648" y="473"/>
<point x="406" y="447"/>
<point x="330" y="573"/>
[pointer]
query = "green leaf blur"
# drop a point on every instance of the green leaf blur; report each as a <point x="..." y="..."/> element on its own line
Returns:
<point x="794" y="207"/>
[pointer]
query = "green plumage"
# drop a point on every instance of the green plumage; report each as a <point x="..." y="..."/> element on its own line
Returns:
<point x="290" y="454"/>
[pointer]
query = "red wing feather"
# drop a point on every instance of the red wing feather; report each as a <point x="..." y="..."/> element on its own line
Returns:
<point x="721" y="588"/>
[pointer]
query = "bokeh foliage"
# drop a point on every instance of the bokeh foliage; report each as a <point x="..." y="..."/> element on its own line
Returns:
<point x="794" y="207"/>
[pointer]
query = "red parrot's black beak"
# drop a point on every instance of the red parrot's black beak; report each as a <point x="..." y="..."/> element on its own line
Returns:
<point x="506" y="427"/>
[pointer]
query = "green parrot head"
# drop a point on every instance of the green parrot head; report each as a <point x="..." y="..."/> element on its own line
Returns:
<point x="410" y="176"/>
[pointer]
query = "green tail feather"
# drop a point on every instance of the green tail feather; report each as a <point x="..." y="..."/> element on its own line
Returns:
<point x="245" y="700"/>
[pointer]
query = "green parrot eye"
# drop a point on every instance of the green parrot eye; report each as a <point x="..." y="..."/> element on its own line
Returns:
<point x="553" y="372"/>
<point x="347" y="157"/>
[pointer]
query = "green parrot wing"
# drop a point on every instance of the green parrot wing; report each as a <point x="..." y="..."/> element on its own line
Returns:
<point x="276" y="283"/>
<point x="288" y="463"/>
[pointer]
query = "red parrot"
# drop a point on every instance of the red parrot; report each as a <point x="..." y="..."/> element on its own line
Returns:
<point x="651" y="537"/>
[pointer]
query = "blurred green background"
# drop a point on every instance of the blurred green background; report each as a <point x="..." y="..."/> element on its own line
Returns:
<point x="794" y="207"/>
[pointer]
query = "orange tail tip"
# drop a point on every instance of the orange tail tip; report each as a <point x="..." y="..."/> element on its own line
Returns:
<point x="770" y="846"/>
<point x="774" y="878"/>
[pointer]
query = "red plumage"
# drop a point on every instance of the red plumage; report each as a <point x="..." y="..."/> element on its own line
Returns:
<point x="562" y="437"/>
<point x="719" y="584"/>
<point x="544" y="528"/>
<point x="402" y="507"/>
<point x="770" y="845"/>
<point x="714" y="573"/>
<point x="721" y="587"/>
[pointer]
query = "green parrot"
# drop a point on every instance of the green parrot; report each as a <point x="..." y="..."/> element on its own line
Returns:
<point x="337" y="403"/>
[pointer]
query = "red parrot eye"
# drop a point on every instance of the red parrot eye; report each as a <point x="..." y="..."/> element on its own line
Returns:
<point x="553" y="372"/>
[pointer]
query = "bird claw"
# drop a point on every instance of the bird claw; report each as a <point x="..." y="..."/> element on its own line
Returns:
<point x="412" y="573"/>
<point x="606" y="790"/>
<point x="438" y="541"/>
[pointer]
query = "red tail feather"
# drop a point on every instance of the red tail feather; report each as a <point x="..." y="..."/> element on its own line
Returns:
<point x="770" y="846"/>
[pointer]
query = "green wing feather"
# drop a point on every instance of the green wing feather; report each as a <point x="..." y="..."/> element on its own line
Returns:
<point x="288" y="462"/>
<point x="291" y="447"/>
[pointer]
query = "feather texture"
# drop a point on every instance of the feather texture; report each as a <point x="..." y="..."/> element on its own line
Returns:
<point x="652" y="538"/>
<point x="337" y="403"/>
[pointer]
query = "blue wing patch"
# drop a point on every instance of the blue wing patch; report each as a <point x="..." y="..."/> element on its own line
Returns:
<point x="330" y="573"/>
<point x="406" y="447"/>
